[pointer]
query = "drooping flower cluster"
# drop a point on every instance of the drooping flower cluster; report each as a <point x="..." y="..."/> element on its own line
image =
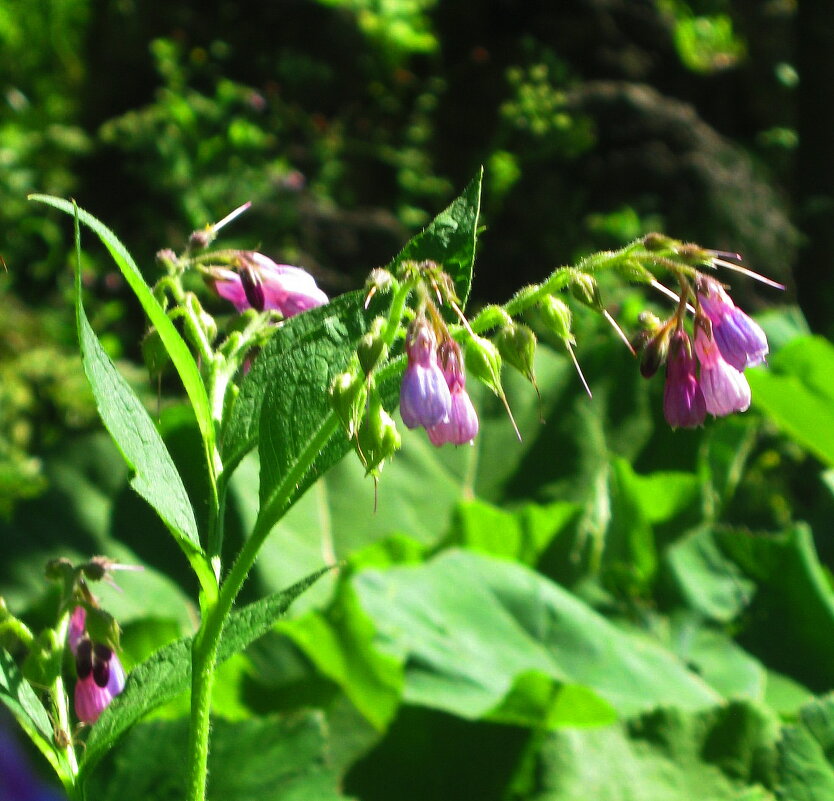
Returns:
<point x="726" y="342"/>
<point x="425" y="399"/>
<point x="101" y="676"/>
<point x="433" y="392"/>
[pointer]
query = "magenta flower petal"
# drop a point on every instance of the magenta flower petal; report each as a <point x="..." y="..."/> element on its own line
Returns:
<point x="725" y="388"/>
<point x="76" y="629"/>
<point x="281" y="287"/>
<point x="740" y="339"/>
<point x="461" y="426"/>
<point x="684" y="405"/>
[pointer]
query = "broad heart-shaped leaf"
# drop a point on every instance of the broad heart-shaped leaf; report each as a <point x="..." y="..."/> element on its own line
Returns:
<point x="721" y="754"/>
<point x="484" y="638"/>
<point x="272" y="759"/>
<point x="174" y="343"/>
<point x="344" y="317"/>
<point x="450" y="239"/>
<point x="797" y="393"/>
<point x="806" y="770"/>
<point x="18" y="696"/>
<point x="167" y="673"/>
<point x="155" y="478"/>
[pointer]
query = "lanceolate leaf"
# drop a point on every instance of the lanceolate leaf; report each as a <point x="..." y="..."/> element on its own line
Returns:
<point x="450" y="239"/>
<point x="174" y="343"/>
<point x="19" y="697"/>
<point x="155" y="478"/>
<point x="167" y="673"/>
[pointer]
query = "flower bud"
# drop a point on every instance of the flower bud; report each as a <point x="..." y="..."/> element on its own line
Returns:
<point x="253" y="287"/>
<point x="43" y="662"/>
<point x="517" y="346"/>
<point x="684" y="405"/>
<point x="372" y="347"/>
<point x="348" y="394"/>
<point x="102" y="627"/>
<point x="654" y="353"/>
<point x="655" y="242"/>
<point x="556" y="317"/>
<point x="378" y="436"/>
<point x="484" y="362"/>
<point x="585" y="289"/>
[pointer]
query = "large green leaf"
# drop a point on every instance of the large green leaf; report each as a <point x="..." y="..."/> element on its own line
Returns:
<point x="797" y="393"/>
<point x="174" y="343"/>
<point x="155" y="476"/>
<point x="486" y="638"/>
<point x="722" y="754"/>
<point x="805" y="754"/>
<point x="272" y="759"/>
<point x="167" y="672"/>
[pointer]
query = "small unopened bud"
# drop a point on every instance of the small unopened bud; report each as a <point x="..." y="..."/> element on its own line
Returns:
<point x="380" y="279"/>
<point x="59" y="569"/>
<point x="632" y="270"/>
<point x="517" y="346"/>
<point x="484" y="362"/>
<point x="372" y="347"/>
<point x="556" y="316"/>
<point x="585" y="289"/>
<point x="102" y="627"/>
<point x="654" y="353"/>
<point x="166" y="258"/>
<point x="655" y="242"/>
<point x="348" y="394"/>
<point x="154" y="353"/>
<point x="253" y="286"/>
<point x="378" y="437"/>
<point x="201" y="239"/>
<point x="43" y="662"/>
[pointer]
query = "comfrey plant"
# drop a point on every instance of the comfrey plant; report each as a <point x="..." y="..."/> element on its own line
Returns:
<point x="305" y="380"/>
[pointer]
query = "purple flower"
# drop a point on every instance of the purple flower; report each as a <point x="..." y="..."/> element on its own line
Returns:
<point x="683" y="400"/>
<point x="262" y="284"/>
<point x="725" y="389"/>
<point x="101" y="678"/>
<point x="17" y="780"/>
<point x="741" y="340"/>
<point x="462" y="424"/>
<point x="425" y="399"/>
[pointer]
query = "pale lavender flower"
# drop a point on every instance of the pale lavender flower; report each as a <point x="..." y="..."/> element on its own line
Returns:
<point x="684" y="405"/>
<point x="742" y="341"/>
<point x="264" y="285"/>
<point x="425" y="399"/>
<point x="725" y="389"/>
<point x="462" y="424"/>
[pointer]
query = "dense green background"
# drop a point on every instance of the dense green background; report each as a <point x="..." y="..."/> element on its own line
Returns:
<point x="607" y="610"/>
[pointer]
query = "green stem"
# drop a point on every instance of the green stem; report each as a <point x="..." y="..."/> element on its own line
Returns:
<point x="62" y="718"/>
<point x="204" y="650"/>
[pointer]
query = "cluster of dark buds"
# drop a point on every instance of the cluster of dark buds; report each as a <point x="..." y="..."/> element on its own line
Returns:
<point x="706" y="377"/>
<point x="101" y="676"/>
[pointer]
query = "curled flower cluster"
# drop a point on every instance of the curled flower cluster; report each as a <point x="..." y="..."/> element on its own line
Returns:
<point x="101" y="676"/>
<point x="726" y="342"/>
